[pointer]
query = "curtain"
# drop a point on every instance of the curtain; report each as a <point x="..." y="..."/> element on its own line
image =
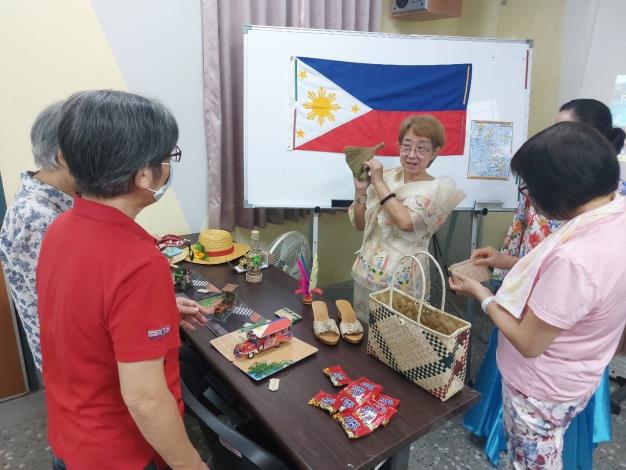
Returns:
<point x="222" y="32"/>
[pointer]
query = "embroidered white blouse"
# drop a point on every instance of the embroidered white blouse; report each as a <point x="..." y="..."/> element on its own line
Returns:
<point x="384" y="243"/>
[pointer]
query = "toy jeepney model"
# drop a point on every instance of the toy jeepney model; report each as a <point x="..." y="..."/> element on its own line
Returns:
<point x="228" y="298"/>
<point x="182" y="279"/>
<point x="264" y="337"/>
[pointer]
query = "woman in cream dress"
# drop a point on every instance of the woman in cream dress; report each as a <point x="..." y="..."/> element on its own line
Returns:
<point x="399" y="210"/>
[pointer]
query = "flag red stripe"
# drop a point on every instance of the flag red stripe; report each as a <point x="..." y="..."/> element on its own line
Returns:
<point x="382" y="126"/>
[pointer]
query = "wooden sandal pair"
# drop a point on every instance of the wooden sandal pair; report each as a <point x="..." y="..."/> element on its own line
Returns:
<point x="325" y="328"/>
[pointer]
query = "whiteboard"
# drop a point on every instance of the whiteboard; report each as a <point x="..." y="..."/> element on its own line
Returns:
<point x="275" y="176"/>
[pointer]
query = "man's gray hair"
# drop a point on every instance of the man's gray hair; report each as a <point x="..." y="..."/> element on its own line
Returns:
<point x="43" y="136"/>
<point x="106" y="136"/>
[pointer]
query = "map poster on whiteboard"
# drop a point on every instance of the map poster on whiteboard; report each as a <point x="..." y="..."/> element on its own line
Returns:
<point x="490" y="148"/>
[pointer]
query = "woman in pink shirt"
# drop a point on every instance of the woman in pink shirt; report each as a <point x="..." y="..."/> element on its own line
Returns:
<point x="561" y="309"/>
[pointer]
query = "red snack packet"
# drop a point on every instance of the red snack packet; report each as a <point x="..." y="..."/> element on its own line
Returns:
<point x="325" y="401"/>
<point x="353" y="426"/>
<point x="387" y="412"/>
<point x="371" y="413"/>
<point x="345" y="402"/>
<point x="362" y="388"/>
<point x="386" y="400"/>
<point x="337" y="376"/>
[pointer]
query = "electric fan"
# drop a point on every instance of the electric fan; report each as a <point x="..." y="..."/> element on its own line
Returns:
<point x="285" y="250"/>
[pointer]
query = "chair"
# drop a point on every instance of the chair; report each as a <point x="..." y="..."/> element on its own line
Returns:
<point x="286" y="249"/>
<point x="222" y="425"/>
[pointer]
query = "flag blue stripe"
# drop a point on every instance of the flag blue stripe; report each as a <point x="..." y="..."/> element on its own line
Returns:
<point x="399" y="87"/>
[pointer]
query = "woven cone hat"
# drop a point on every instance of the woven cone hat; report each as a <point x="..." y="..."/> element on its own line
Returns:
<point x="357" y="156"/>
<point x="219" y="246"/>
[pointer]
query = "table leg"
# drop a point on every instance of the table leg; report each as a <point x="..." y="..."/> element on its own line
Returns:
<point x="400" y="461"/>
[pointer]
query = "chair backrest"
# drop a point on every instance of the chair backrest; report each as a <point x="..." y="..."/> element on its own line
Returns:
<point x="286" y="249"/>
<point x="229" y="448"/>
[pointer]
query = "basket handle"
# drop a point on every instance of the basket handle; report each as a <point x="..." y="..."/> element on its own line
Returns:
<point x="421" y="268"/>
<point x="393" y="282"/>
<point x="443" y="279"/>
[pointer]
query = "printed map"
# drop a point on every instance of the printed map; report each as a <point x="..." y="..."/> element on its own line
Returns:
<point x="490" y="150"/>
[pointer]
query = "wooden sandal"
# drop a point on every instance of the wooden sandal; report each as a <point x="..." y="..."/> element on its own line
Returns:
<point x="351" y="328"/>
<point x="324" y="327"/>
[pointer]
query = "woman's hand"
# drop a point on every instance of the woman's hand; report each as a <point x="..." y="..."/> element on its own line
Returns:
<point x="192" y="314"/>
<point x="360" y="186"/>
<point x="468" y="287"/>
<point x="489" y="256"/>
<point x="376" y="170"/>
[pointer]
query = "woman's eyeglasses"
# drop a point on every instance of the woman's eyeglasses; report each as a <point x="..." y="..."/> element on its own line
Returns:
<point x="421" y="149"/>
<point x="175" y="155"/>
<point x="523" y="189"/>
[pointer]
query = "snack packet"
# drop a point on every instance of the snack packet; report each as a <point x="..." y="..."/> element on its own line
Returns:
<point x="345" y="401"/>
<point x="337" y="376"/>
<point x="386" y="400"/>
<point x="325" y="401"/>
<point x="353" y="426"/>
<point x="362" y="388"/>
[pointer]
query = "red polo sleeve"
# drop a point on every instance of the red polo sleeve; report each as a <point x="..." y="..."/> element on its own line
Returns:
<point x="143" y="318"/>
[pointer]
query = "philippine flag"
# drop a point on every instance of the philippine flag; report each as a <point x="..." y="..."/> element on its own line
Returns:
<point x="339" y="104"/>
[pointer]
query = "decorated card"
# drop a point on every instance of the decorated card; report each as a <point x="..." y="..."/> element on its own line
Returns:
<point x="467" y="268"/>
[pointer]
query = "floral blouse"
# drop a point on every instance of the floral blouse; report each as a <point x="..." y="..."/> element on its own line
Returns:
<point x="384" y="243"/>
<point x="34" y="207"/>
<point x="528" y="229"/>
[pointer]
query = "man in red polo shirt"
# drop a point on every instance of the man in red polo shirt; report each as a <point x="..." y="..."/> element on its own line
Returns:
<point x="108" y="314"/>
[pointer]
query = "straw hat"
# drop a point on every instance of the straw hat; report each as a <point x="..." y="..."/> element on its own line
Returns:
<point x="218" y="244"/>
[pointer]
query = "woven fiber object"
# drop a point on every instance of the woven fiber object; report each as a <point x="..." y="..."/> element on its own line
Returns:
<point x="425" y="344"/>
<point x="357" y="156"/>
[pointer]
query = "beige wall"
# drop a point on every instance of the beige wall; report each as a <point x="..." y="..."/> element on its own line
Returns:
<point x="49" y="50"/>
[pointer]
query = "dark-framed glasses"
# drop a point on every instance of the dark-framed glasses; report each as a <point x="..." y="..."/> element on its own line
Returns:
<point x="522" y="189"/>
<point x="176" y="154"/>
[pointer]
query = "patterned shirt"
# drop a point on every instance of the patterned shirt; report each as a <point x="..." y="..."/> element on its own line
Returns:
<point x="34" y="207"/>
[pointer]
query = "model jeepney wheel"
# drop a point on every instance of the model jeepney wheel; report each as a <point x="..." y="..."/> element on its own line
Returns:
<point x="250" y="355"/>
<point x="261" y="347"/>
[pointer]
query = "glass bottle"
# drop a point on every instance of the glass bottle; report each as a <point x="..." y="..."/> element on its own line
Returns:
<point x="255" y="259"/>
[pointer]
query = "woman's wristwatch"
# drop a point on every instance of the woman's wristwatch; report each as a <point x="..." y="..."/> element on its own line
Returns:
<point x="486" y="301"/>
<point x="360" y="199"/>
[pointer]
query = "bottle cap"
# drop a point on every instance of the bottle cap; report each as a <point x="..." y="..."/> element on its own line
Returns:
<point x="254" y="235"/>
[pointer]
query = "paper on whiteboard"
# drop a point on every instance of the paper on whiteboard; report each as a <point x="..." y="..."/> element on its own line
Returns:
<point x="490" y="150"/>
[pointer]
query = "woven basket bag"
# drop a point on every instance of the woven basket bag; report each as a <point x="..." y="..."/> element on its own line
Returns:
<point x="426" y="345"/>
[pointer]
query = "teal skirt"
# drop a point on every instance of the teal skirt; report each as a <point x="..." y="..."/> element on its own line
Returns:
<point x="587" y="430"/>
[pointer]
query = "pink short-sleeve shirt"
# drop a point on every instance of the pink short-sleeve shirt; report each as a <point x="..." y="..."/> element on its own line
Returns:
<point x="580" y="288"/>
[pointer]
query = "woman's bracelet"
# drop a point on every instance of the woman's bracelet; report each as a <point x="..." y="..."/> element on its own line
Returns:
<point x="386" y="198"/>
<point x="486" y="301"/>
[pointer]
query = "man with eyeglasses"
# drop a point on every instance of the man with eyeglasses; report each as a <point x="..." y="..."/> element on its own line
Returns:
<point x="109" y="323"/>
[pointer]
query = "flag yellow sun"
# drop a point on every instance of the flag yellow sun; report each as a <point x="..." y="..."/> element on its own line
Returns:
<point x="321" y="105"/>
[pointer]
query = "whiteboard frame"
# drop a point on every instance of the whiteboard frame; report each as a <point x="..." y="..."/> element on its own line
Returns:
<point x="248" y="28"/>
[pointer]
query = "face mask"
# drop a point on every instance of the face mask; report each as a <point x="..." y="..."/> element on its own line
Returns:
<point x="158" y="193"/>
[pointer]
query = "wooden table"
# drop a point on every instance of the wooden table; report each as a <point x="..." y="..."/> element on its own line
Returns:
<point x="308" y="435"/>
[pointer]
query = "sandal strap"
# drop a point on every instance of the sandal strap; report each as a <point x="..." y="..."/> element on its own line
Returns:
<point x="320" y="327"/>
<point x="351" y="328"/>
